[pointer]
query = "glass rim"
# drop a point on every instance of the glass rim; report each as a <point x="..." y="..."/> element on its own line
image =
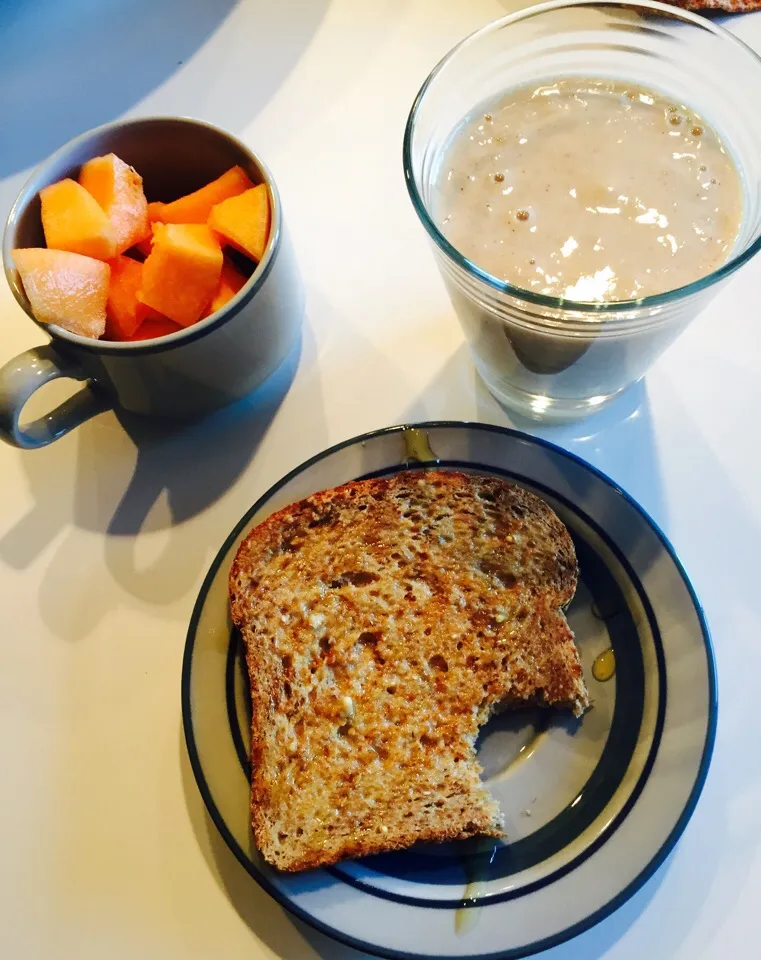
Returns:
<point x="540" y="299"/>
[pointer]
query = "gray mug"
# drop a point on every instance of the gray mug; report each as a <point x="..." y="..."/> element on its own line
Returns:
<point x="184" y="375"/>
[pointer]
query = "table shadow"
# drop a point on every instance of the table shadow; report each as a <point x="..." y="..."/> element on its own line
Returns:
<point x="193" y="464"/>
<point x="618" y="440"/>
<point x="67" y="67"/>
<point x="149" y="490"/>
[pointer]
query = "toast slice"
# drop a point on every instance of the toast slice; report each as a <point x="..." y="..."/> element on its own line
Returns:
<point x="383" y="623"/>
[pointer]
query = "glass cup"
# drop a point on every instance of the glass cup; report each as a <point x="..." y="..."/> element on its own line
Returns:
<point x="551" y="358"/>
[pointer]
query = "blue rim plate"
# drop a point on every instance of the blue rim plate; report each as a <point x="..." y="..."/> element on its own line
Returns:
<point x="592" y="807"/>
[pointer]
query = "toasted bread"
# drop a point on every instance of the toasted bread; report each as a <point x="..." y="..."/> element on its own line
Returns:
<point x="727" y="6"/>
<point x="383" y="623"/>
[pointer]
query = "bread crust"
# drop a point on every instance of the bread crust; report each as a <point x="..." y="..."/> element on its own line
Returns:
<point x="383" y="622"/>
<point x="726" y="6"/>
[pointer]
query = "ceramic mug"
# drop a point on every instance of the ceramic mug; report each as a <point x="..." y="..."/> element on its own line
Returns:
<point x="184" y="375"/>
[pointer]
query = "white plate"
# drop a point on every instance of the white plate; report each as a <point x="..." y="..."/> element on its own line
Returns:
<point x="593" y="807"/>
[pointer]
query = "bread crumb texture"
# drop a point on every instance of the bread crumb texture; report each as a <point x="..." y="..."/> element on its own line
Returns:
<point x="383" y="623"/>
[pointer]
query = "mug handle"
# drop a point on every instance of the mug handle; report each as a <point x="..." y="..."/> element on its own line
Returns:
<point x="25" y="374"/>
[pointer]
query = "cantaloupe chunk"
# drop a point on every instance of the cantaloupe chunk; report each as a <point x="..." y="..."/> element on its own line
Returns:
<point x="65" y="288"/>
<point x="157" y="327"/>
<point x="119" y="191"/>
<point x="73" y="221"/>
<point x="244" y="221"/>
<point x="121" y="307"/>
<point x="143" y="247"/>
<point x="154" y="210"/>
<point x="145" y="313"/>
<point x="182" y="273"/>
<point x="231" y="281"/>
<point x="196" y="207"/>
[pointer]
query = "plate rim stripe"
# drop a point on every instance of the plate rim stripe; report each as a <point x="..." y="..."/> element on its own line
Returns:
<point x="569" y="932"/>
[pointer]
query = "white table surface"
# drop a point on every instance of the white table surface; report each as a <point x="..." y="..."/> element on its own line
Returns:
<point x="106" y="535"/>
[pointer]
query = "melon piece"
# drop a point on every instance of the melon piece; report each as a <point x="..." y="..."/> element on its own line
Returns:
<point x="119" y="191"/>
<point x="196" y="207"/>
<point x="73" y="220"/>
<point x="231" y="281"/>
<point x="121" y="307"/>
<point x="244" y="221"/>
<point x="154" y="210"/>
<point x="156" y="327"/>
<point x="65" y="288"/>
<point x="182" y="273"/>
<point x="143" y="247"/>
<point x="144" y="312"/>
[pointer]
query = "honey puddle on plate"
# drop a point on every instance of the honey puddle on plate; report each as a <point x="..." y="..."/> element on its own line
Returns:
<point x="604" y="666"/>
<point x="476" y="867"/>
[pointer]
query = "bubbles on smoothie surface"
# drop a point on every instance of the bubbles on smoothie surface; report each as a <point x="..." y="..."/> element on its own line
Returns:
<point x="588" y="186"/>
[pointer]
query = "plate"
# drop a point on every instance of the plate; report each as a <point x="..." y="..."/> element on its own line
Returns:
<point x="592" y="807"/>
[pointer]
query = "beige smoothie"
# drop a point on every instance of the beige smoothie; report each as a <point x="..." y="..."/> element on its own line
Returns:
<point x="590" y="190"/>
